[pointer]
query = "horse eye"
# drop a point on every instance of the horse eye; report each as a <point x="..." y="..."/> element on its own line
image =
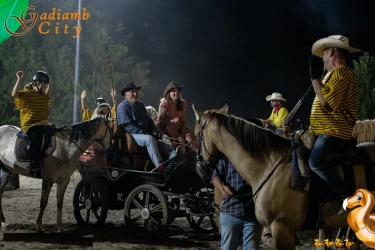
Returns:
<point x="359" y="197"/>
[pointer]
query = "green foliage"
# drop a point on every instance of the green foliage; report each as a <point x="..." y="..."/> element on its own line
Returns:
<point x="7" y="9"/>
<point x="55" y="54"/>
<point x="364" y="70"/>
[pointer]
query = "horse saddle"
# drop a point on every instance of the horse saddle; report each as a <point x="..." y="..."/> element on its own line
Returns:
<point x="23" y="142"/>
<point x="344" y="161"/>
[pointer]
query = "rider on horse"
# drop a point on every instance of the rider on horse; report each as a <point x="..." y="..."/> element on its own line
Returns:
<point x="335" y="108"/>
<point x="279" y="112"/>
<point x="34" y="102"/>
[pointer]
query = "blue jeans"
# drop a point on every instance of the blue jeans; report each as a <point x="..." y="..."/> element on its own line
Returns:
<point x="324" y="149"/>
<point x="232" y="228"/>
<point x="155" y="148"/>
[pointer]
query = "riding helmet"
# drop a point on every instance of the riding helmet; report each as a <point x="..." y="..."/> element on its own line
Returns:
<point x="41" y="76"/>
<point x="99" y="101"/>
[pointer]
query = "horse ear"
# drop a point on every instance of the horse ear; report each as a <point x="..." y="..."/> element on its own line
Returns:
<point x="224" y="110"/>
<point x="198" y="113"/>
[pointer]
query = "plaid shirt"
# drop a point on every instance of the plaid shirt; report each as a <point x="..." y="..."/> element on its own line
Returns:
<point x="237" y="207"/>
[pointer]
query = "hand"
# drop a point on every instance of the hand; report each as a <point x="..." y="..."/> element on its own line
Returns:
<point x="113" y="94"/>
<point x="226" y="191"/>
<point x="83" y="94"/>
<point x="316" y="67"/>
<point x="285" y="129"/>
<point x="156" y="134"/>
<point x="174" y="120"/>
<point x="20" y="74"/>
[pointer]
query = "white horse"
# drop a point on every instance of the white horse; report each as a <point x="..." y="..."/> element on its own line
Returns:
<point x="71" y="142"/>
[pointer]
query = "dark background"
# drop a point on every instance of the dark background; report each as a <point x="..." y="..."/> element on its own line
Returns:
<point x="234" y="51"/>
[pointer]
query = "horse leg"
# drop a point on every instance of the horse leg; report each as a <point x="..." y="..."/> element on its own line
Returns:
<point x="60" y="191"/>
<point x="283" y="236"/>
<point x="46" y="189"/>
<point x="4" y="179"/>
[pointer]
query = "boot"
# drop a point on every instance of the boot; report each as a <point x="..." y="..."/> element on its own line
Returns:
<point x="35" y="168"/>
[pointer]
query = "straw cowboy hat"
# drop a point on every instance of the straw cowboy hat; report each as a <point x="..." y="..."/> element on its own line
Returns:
<point x="275" y="97"/>
<point x="129" y="86"/>
<point x="170" y="87"/>
<point x="336" y="41"/>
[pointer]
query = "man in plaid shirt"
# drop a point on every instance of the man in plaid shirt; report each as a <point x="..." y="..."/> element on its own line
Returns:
<point x="237" y="212"/>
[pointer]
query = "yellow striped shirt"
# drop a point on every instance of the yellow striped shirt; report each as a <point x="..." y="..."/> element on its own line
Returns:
<point x="340" y="90"/>
<point x="34" y="107"/>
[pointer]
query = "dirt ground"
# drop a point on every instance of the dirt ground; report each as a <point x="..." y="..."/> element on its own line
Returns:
<point x="21" y="209"/>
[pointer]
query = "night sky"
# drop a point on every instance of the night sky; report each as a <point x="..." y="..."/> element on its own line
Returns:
<point x="237" y="52"/>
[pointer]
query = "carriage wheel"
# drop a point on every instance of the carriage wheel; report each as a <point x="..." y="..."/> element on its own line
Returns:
<point x="90" y="202"/>
<point x="147" y="208"/>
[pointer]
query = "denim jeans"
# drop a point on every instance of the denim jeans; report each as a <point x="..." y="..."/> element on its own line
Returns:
<point x="155" y="148"/>
<point x="324" y="149"/>
<point x="232" y="228"/>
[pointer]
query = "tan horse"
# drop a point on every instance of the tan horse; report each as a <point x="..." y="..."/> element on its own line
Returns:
<point x="263" y="159"/>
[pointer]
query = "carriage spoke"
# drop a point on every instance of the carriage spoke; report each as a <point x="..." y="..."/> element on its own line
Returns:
<point x="91" y="190"/>
<point x="136" y="218"/>
<point x="82" y="207"/>
<point x="96" y="214"/>
<point x="156" y="208"/>
<point x="154" y="221"/>
<point x="135" y="202"/>
<point x="147" y="201"/>
<point x="88" y="216"/>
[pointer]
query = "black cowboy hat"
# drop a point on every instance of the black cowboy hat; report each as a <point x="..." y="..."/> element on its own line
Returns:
<point x="170" y="87"/>
<point x="129" y="86"/>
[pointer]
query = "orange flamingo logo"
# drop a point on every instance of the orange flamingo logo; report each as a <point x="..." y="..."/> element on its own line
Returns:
<point x="359" y="219"/>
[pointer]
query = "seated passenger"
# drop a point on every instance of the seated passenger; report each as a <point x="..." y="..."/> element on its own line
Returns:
<point x="133" y="117"/>
<point x="87" y="114"/>
<point x="172" y="116"/>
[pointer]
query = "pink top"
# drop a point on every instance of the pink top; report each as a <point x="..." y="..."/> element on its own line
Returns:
<point x="174" y="129"/>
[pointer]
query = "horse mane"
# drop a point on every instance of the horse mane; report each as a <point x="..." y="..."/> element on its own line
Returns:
<point x="364" y="131"/>
<point x="255" y="139"/>
<point x="83" y="130"/>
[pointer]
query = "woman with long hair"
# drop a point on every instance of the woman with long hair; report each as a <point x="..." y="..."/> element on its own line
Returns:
<point x="172" y="116"/>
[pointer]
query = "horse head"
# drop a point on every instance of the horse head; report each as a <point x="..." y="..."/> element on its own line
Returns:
<point x="105" y="133"/>
<point x="207" y="152"/>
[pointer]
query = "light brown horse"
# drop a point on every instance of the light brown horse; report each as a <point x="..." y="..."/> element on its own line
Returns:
<point x="263" y="159"/>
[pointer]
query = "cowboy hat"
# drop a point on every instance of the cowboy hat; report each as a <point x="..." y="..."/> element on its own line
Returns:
<point x="275" y="97"/>
<point x="129" y="86"/>
<point x="170" y="87"/>
<point x="336" y="41"/>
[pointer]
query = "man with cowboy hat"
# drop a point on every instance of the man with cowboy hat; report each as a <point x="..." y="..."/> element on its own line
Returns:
<point x="279" y="112"/>
<point x="133" y="117"/>
<point x="335" y="107"/>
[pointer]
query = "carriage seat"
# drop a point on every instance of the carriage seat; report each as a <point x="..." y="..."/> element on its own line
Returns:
<point x="125" y="142"/>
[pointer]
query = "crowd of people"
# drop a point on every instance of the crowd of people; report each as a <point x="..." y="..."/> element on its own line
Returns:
<point x="333" y="115"/>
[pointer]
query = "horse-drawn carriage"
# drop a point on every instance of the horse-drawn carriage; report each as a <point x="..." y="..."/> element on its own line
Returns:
<point x="125" y="178"/>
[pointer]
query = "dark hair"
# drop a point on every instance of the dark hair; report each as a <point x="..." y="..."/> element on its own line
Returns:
<point x="178" y="102"/>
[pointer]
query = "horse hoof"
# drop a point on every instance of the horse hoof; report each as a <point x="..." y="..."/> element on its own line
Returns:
<point x="4" y="227"/>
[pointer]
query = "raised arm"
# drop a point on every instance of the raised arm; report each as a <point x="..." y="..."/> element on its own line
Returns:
<point x="113" y="94"/>
<point x="20" y="76"/>
<point x="83" y="95"/>
<point x="48" y="90"/>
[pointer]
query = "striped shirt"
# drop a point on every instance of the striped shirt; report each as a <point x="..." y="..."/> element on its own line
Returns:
<point x="33" y="106"/>
<point x="237" y="207"/>
<point x="337" y="118"/>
